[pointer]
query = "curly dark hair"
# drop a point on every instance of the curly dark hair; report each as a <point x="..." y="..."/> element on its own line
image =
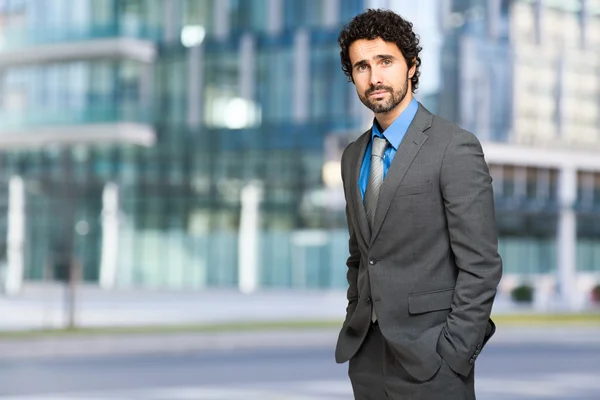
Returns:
<point x="384" y="24"/>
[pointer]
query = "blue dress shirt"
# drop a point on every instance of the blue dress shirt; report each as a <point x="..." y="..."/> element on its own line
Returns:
<point x="394" y="134"/>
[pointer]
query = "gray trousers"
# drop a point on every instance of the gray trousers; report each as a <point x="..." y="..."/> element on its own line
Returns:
<point x="376" y="374"/>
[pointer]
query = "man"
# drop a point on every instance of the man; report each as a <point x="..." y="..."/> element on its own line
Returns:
<point x="423" y="266"/>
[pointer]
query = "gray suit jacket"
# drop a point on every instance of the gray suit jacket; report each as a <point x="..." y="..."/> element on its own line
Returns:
<point x="430" y="265"/>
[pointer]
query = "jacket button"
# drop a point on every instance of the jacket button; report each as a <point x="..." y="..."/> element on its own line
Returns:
<point x="471" y="361"/>
<point x="368" y="300"/>
<point x="479" y="347"/>
<point x="372" y="261"/>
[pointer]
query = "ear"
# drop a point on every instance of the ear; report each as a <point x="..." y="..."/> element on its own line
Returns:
<point x="413" y="69"/>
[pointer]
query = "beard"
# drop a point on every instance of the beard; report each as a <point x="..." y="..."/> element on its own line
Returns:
<point x="383" y="106"/>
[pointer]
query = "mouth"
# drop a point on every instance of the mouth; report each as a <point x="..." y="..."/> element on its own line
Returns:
<point x="378" y="93"/>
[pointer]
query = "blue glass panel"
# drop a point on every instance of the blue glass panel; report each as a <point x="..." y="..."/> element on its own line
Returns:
<point x="350" y="8"/>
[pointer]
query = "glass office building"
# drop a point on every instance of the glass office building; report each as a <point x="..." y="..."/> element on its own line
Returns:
<point x="523" y="75"/>
<point x="214" y="128"/>
<point x="175" y="106"/>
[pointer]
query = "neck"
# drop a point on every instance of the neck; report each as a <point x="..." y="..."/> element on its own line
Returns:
<point x="386" y="119"/>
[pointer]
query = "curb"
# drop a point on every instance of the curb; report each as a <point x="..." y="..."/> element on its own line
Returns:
<point x="163" y="343"/>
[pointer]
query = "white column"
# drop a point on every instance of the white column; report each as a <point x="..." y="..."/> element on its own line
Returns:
<point x="247" y="67"/>
<point x="16" y="236"/>
<point x="585" y="23"/>
<point x="331" y="13"/>
<point x="468" y="81"/>
<point x="248" y="237"/>
<point x="445" y="15"/>
<point x="301" y="76"/>
<point x="170" y="21"/>
<point x="195" y="73"/>
<point x="538" y="10"/>
<point x="567" y="238"/>
<point x="483" y="117"/>
<point x="221" y="19"/>
<point x="146" y="87"/>
<point x="493" y="18"/>
<point x="562" y="88"/>
<point x="275" y="16"/>
<point x="110" y="236"/>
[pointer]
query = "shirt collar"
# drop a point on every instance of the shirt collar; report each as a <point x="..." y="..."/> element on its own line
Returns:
<point x="396" y="131"/>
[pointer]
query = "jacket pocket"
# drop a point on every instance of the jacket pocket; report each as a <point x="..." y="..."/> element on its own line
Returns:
<point x="436" y="300"/>
<point x="413" y="190"/>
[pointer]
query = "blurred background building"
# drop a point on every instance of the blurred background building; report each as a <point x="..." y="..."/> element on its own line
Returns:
<point x="196" y="143"/>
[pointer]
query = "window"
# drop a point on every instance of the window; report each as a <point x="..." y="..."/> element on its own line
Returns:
<point x="508" y="181"/>
<point x="274" y="86"/>
<point x="141" y="18"/>
<point x="532" y="183"/>
<point x="13" y="22"/>
<point x="198" y="13"/>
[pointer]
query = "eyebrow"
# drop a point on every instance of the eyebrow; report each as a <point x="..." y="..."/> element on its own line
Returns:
<point x="377" y="57"/>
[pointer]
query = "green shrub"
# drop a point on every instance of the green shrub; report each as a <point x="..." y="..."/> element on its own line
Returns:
<point x="596" y="294"/>
<point x="522" y="294"/>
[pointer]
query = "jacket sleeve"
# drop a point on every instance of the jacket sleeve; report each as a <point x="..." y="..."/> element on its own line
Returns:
<point x="469" y="206"/>
<point x="353" y="260"/>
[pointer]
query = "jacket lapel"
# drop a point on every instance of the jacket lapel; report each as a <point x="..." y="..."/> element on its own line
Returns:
<point x="409" y="147"/>
<point x="359" y="209"/>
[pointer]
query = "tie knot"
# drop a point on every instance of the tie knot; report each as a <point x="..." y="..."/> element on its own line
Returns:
<point x="379" y="146"/>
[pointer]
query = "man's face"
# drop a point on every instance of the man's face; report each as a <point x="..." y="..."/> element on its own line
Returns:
<point x="380" y="74"/>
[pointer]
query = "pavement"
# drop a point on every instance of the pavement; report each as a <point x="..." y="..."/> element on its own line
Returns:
<point x="42" y="307"/>
<point x="91" y="345"/>
<point x="559" y="366"/>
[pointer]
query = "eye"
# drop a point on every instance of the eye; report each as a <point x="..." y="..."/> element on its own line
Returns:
<point x="387" y="61"/>
<point x="362" y="67"/>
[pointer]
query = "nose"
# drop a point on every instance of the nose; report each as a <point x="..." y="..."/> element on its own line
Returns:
<point x="375" y="77"/>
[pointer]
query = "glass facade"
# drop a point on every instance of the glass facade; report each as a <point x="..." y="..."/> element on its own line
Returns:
<point x="239" y="91"/>
<point x="29" y="23"/>
<point x="512" y="71"/>
<point x="527" y="216"/>
<point x="74" y="92"/>
<point x="180" y="199"/>
<point x="588" y="221"/>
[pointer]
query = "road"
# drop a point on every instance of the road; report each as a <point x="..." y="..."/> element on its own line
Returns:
<point x="512" y="369"/>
